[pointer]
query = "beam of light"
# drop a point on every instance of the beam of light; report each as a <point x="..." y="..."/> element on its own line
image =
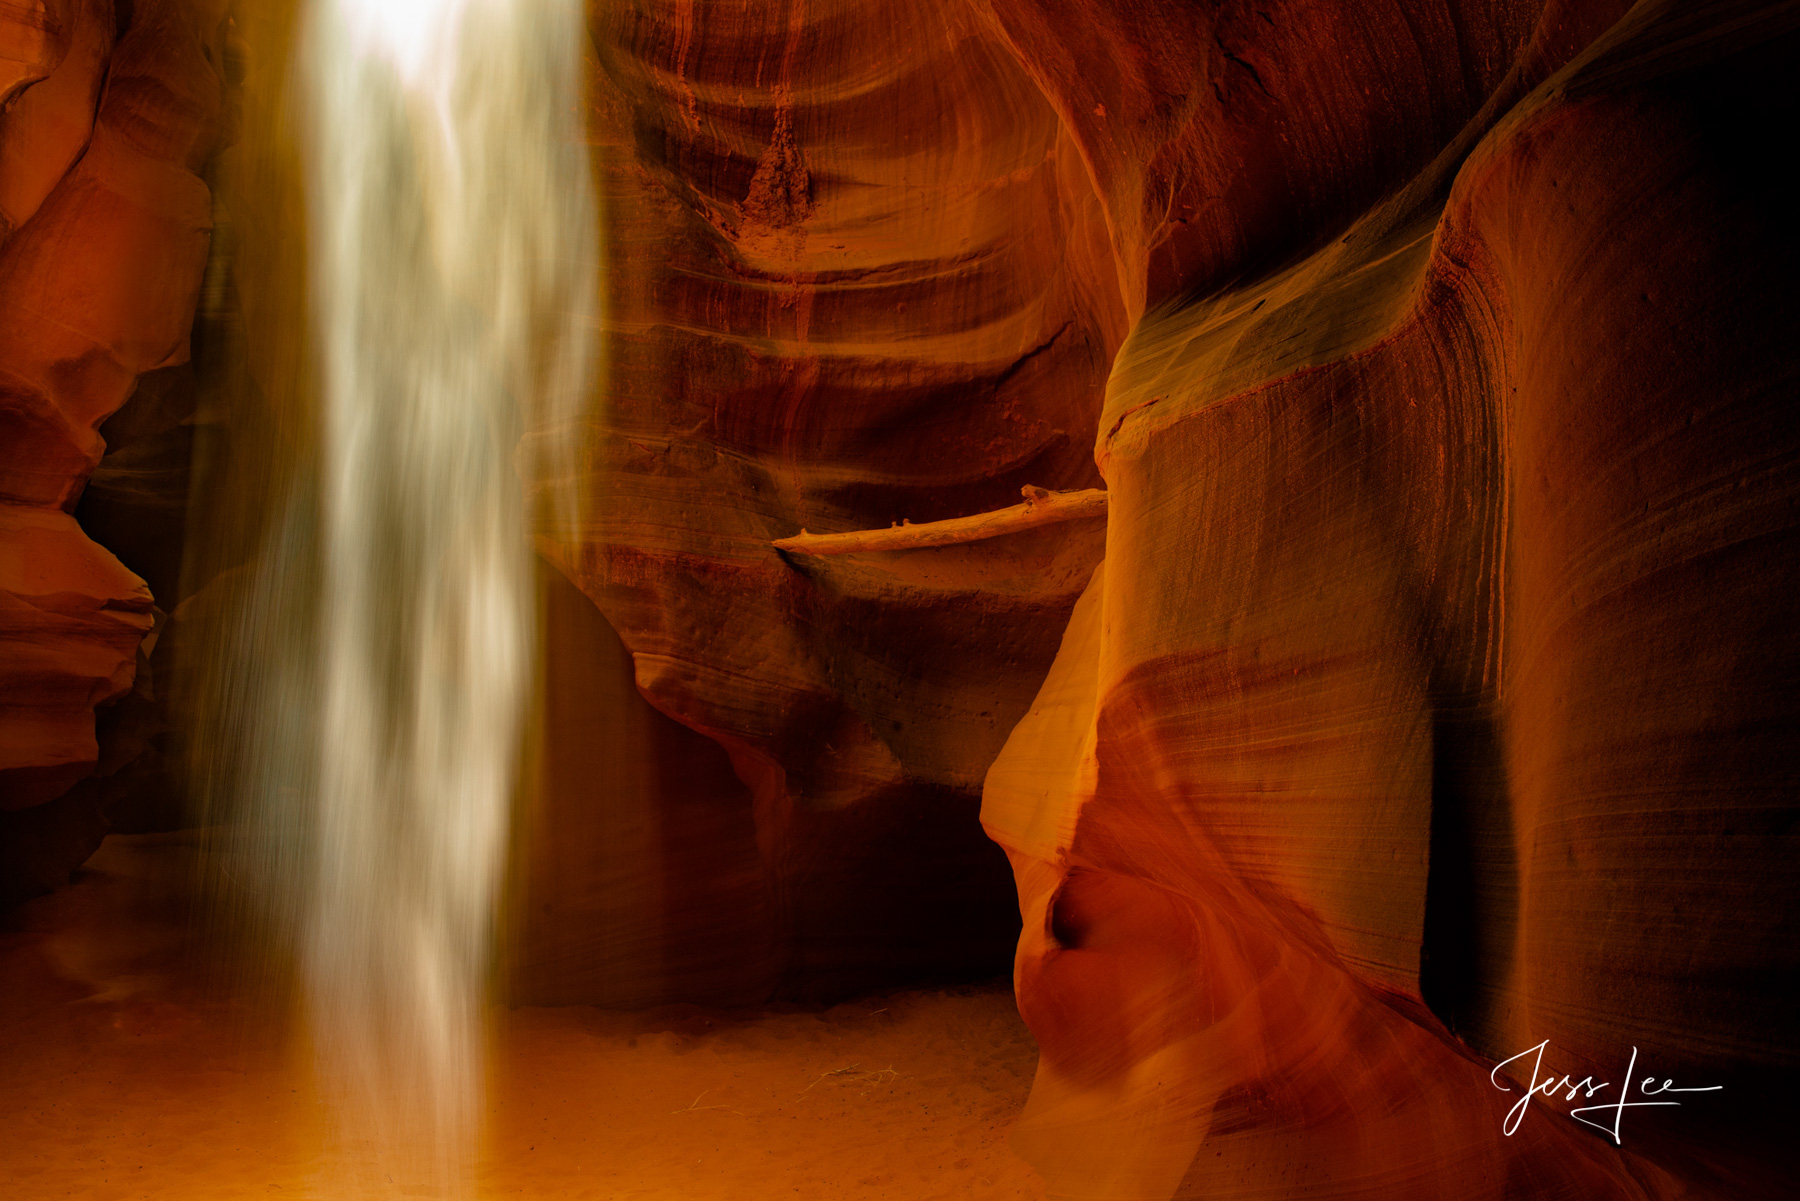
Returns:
<point x="451" y="230"/>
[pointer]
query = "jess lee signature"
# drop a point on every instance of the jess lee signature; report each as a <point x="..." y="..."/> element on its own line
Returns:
<point x="1587" y="1088"/>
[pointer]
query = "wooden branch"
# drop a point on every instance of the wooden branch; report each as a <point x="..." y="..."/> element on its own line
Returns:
<point x="1041" y="507"/>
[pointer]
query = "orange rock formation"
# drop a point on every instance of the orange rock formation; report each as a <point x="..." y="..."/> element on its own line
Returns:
<point x="1423" y="707"/>
<point x="1405" y="723"/>
<point x="109" y="116"/>
<point x="1425" y="691"/>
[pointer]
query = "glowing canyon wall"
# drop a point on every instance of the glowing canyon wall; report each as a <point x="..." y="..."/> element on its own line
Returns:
<point x="1428" y="691"/>
<point x="111" y="114"/>
<point x="854" y="274"/>
<point x="1425" y="701"/>
<point x="1429" y="701"/>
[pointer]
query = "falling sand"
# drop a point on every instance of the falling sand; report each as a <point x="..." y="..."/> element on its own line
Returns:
<point x="123" y="1077"/>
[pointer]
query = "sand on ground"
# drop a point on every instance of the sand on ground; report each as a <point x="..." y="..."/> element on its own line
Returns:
<point x="124" y="1079"/>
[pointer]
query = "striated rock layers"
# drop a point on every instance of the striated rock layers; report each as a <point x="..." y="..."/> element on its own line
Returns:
<point x="110" y="113"/>
<point x="1425" y="694"/>
<point x="1431" y="700"/>
<point x="855" y="273"/>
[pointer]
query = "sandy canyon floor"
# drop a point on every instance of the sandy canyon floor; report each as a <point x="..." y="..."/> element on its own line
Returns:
<point x="123" y="1078"/>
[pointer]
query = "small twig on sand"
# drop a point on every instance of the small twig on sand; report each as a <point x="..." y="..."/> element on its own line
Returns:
<point x="695" y="1105"/>
<point x="855" y="1071"/>
<point x="849" y="1071"/>
<point x="886" y="1075"/>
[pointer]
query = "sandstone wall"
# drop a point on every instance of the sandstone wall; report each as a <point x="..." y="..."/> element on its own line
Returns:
<point x="1425" y="694"/>
<point x="1428" y="701"/>
<point x="855" y="274"/>
<point x="111" y="114"/>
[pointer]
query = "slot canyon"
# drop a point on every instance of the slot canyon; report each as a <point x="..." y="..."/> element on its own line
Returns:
<point x="899" y="600"/>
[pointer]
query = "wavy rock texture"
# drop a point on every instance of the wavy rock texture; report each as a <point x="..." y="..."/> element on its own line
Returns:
<point x="1430" y="670"/>
<point x="1427" y="704"/>
<point x="838" y="293"/>
<point x="856" y="274"/>
<point x="1426" y="693"/>
<point x="103" y="238"/>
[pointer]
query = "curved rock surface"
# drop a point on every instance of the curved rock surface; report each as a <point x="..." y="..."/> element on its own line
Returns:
<point x="1426" y="706"/>
<point x="103" y="239"/>
<point x="1425" y="694"/>
<point x="856" y="274"/>
<point x="839" y="293"/>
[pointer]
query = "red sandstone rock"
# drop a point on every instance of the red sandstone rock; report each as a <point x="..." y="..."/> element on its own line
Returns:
<point x="1426" y="677"/>
<point x="842" y="290"/>
<point x="639" y="881"/>
<point x="34" y="37"/>
<point x="99" y="274"/>
<point x="72" y="620"/>
<point x="1299" y="844"/>
<point x="1433" y="696"/>
<point x="45" y="128"/>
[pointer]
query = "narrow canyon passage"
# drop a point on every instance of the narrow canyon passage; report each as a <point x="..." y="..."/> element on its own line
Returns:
<point x="1097" y="600"/>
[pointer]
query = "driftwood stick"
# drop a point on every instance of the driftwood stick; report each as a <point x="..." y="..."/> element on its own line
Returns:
<point x="1041" y="507"/>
